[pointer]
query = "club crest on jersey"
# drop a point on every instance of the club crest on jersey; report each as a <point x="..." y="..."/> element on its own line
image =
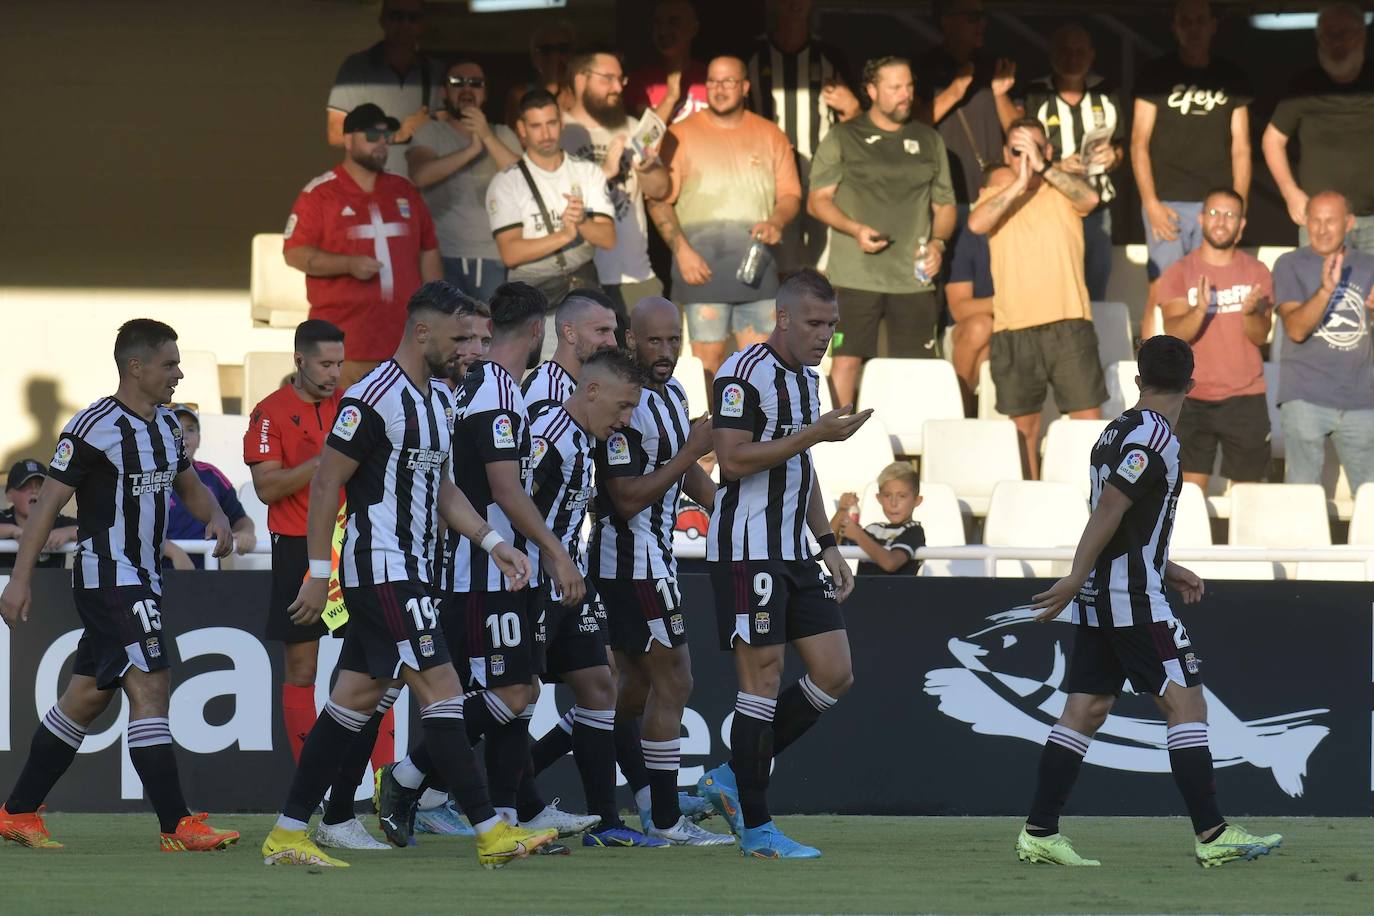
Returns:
<point x="732" y="401"/>
<point x="403" y="204"/>
<point x="63" y="456"/>
<point x="497" y="664"/>
<point x="538" y="446"/>
<point x="154" y="647"/>
<point x="677" y="624"/>
<point x="290" y="226"/>
<point x="1133" y="465"/>
<point x="1192" y="662"/>
<point x="347" y="423"/>
<point x="911" y="146"/>
<point x="427" y="645"/>
<point x="502" y="434"/>
<point x="762" y="622"/>
<point x="617" y="449"/>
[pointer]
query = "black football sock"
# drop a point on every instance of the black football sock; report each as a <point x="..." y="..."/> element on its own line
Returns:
<point x="627" y="751"/>
<point x="662" y="759"/>
<point x="483" y="711"/>
<point x="593" y="740"/>
<point x="354" y="763"/>
<point x="54" y="746"/>
<point x="528" y="802"/>
<point x="751" y="748"/>
<point x="1191" y="760"/>
<point x="507" y="749"/>
<point x="799" y="707"/>
<point x="326" y="745"/>
<point x="454" y="759"/>
<point x="1060" y="762"/>
<point x="555" y="744"/>
<point x="150" y="751"/>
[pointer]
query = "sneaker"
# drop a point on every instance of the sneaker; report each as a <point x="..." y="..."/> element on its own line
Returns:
<point x="293" y="847"/>
<point x="194" y="835"/>
<point x="348" y="835"/>
<point x="613" y="837"/>
<point x="566" y="824"/>
<point x="444" y="820"/>
<point x="718" y="788"/>
<point x="768" y="842"/>
<point x="1234" y="845"/>
<point x="503" y="844"/>
<point x="27" y="829"/>
<point x="395" y="806"/>
<point x="686" y="833"/>
<point x="1049" y="850"/>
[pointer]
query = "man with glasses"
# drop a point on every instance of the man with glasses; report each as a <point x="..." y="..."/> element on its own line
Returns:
<point x="674" y="86"/>
<point x="452" y="162"/>
<point x="551" y="46"/>
<point x="392" y="74"/>
<point x="365" y="242"/>
<point x="1220" y="300"/>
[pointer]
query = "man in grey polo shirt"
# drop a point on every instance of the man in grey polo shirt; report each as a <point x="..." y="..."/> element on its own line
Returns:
<point x="393" y="75"/>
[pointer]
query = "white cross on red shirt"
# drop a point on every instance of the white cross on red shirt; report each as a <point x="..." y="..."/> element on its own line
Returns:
<point x="379" y="231"/>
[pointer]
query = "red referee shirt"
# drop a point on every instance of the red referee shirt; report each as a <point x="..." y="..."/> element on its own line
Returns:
<point x="393" y="225"/>
<point x="287" y="429"/>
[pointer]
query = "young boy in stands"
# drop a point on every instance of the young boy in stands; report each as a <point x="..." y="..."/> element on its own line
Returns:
<point x="891" y="545"/>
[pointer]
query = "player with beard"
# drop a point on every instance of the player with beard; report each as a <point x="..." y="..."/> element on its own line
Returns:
<point x="597" y="128"/>
<point x="585" y="322"/>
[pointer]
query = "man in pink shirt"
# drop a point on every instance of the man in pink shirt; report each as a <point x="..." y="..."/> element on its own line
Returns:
<point x="1220" y="300"/>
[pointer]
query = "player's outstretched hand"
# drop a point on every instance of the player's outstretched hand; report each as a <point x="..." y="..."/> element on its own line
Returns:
<point x="309" y="603"/>
<point x="14" y="602"/>
<point x="514" y="565"/>
<point x="1184" y="581"/>
<point x="222" y="533"/>
<point x="567" y="579"/>
<point x="841" y="423"/>
<point x="1050" y="603"/>
<point x="839" y="571"/>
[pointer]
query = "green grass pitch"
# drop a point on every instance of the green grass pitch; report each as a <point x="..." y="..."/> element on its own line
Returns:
<point x="871" y="865"/>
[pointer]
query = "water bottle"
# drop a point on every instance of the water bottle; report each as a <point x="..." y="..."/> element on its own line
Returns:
<point x="751" y="267"/>
<point x="922" y="249"/>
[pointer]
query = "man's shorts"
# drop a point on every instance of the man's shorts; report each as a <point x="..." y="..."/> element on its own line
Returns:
<point x="1150" y="655"/>
<point x="571" y="638"/>
<point x="1239" y="425"/>
<point x="502" y="637"/>
<point x="1062" y="354"/>
<point x="122" y="630"/>
<point x="772" y="602"/>
<point x="910" y="319"/>
<point x="642" y="612"/>
<point x="713" y="322"/>
<point x="391" y="625"/>
<point x="453" y="618"/>
<point x="290" y="563"/>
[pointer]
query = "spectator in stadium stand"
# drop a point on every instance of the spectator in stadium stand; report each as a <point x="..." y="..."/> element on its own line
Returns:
<point x="1071" y="102"/>
<point x="881" y="183"/>
<point x="968" y="293"/>
<point x="597" y="128"/>
<point x="365" y="242"/>
<point x="452" y="161"/>
<point x="21" y="489"/>
<point x="181" y="525"/>
<point x="1324" y="291"/>
<point x="392" y="74"/>
<point x="802" y="84"/>
<point x="551" y="47"/>
<point x="735" y="189"/>
<point x="1190" y="134"/>
<point x="674" y="86"/>
<point x="891" y="544"/>
<point x="1330" y="109"/>
<point x="1220" y="300"/>
<point x="1032" y="213"/>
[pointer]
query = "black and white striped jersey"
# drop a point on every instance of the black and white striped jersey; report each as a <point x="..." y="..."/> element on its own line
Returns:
<point x="547" y="386"/>
<point x="763" y="516"/>
<point x="1138" y="454"/>
<point x="641" y="547"/>
<point x="490" y="425"/>
<point x="786" y="89"/>
<point x="122" y="467"/>
<point x="399" y="435"/>
<point x="561" y="467"/>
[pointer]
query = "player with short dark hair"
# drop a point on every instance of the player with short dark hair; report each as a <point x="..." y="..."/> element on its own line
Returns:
<point x="770" y="592"/>
<point x="390" y="449"/>
<point x="474" y="339"/>
<point x="121" y="457"/>
<point x="1126" y="628"/>
<point x="584" y="322"/>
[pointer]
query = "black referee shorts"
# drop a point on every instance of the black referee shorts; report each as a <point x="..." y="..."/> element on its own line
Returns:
<point x="290" y="565"/>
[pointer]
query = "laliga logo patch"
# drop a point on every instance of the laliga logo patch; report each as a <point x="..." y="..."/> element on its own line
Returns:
<point x="403" y="205"/>
<point x="497" y="665"/>
<point x="762" y="623"/>
<point x="617" y="449"/>
<point x="427" y="645"/>
<point x="538" y="447"/>
<point x="501" y="432"/>
<point x="290" y="226"/>
<point x="732" y="401"/>
<point x="63" y="456"/>
<point x="347" y="423"/>
<point x="1133" y="465"/>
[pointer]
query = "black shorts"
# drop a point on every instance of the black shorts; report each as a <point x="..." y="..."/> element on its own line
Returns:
<point x="571" y="638"/>
<point x="772" y="602"/>
<point x="391" y="625"/>
<point x="290" y="564"/>
<point x="1239" y="425"/>
<point x="1061" y="355"/>
<point x="453" y="617"/>
<point x="502" y="630"/>
<point x="642" y="612"/>
<point x="1150" y="655"/>
<point x="910" y="317"/>
<point x="122" y="629"/>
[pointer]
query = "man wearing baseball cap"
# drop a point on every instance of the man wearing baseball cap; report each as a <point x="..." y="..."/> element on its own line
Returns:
<point x="21" y="489"/>
<point x="365" y="242"/>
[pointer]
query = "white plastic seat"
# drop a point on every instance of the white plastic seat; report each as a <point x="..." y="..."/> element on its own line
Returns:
<point x="692" y="375"/>
<point x="852" y="465"/>
<point x="1331" y="571"/>
<point x="1112" y="322"/>
<point x="258" y="513"/>
<point x="221" y="444"/>
<point x="276" y="292"/>
<point x="1362" y="517"/>
<point x="1279" y="515"/>
<point x="1034" y="513"/>
<point x="263" y="373"/>
<point x="905" y="393"/>
<point x="1122" y="391"/>
<point x="1192" y="524"/>
<point x="971" y="456"/>
<point x="1249" y="570"/>
<point x="201" y="383"/>
<point x="1068" y="445"/>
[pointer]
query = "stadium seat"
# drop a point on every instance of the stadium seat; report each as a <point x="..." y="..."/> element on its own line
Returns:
<point x="1248" y="570"/>
<point x="201" y="384"/>
<point x="1192" y="524"/>
<point x="987" y="399"/>
<point x="258" y="513"/>
<point x="221" y="444"/>
<point x="1034" y="513"/>
<point x="850" y="466"/>
<point x="905" y="393"/>
<point x="1068" y="444"/>
<point x="276" y="292"/>
<point x="971" y="456"/>
<point x="1279" y="515"/>
<point x="1122" y="391"/>
<point x="262" y="374"/>
<point x="941" y="521"/>
<point x="1361" y="534"/>
<point x="1112" y="322"/>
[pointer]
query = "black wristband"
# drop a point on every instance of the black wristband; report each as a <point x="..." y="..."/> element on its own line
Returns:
<point x="827" y="540"/>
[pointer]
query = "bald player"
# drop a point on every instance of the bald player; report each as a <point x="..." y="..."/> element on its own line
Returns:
<point x="584" y="322"/>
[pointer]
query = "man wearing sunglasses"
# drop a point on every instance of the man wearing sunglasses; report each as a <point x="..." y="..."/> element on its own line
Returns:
<point x="551" y="47"/>
<point x="393" y="74"/>
<point x="452" y="161"/>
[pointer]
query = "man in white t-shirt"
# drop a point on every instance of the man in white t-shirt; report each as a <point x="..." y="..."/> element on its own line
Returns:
<point x="549" y="210"/>
<point x="597" y="128"/>
<point x="452" y="162"/>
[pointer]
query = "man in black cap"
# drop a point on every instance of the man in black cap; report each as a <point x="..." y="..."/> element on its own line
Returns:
<point x="21" y="489"/>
